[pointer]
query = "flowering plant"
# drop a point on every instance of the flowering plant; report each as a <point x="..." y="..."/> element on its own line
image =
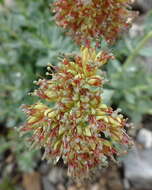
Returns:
<point x="71" y="121"/>
<point x="92" y="19"/>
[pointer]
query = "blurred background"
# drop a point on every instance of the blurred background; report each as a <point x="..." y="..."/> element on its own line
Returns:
<point x="29" y="40"/>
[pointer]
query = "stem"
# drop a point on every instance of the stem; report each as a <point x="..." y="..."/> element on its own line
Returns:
<point x="137" y="49"/>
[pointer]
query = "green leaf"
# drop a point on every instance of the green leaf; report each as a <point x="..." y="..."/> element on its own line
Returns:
<point x="130" y="98"/>
<point x="6" y="184"/>
<point x="4" y="146"/>
<point x="43" y="61"/>
<point x="147" y="52"/>
<point x="107" y="95"/>
<point x="27" y="161"/>
<point x="2" y="1"/>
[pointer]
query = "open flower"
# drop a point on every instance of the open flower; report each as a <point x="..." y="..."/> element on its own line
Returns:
<point x="91" y="19"/>
<point x="75" y="124"/>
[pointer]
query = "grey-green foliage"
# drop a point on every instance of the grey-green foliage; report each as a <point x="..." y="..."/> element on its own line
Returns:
<point x="131" y="81"/>
<point x="20" y="150"/>
<point x="29" y="40"/>
<point x="131" y="89"/>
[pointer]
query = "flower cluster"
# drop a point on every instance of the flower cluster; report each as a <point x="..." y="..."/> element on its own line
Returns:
<point x="74" y="124"/>
<point x="91" y="19"/>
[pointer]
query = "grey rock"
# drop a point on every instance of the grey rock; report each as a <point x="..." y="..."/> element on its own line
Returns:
<point x="126" y="184"/>
<point x="56" y="175"/>
<point x="8" y="169"/>
<point x="44" y="168"/>
<point x="47" y="185"/>
<point x="144" y="137"/>
<point x="138" y="168"/>
<point x="136" y="30"/>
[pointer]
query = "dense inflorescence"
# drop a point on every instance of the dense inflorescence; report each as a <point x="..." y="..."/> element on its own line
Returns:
<point x="74" y="124"/>
<point x="92" y="19"/>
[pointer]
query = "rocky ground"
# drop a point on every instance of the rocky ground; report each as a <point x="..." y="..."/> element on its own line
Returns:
<point x="133" y="173"/>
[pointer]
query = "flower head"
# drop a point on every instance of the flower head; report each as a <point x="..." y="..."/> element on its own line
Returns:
<point x="90" y="19"/>
<point x="74" y="124"/>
